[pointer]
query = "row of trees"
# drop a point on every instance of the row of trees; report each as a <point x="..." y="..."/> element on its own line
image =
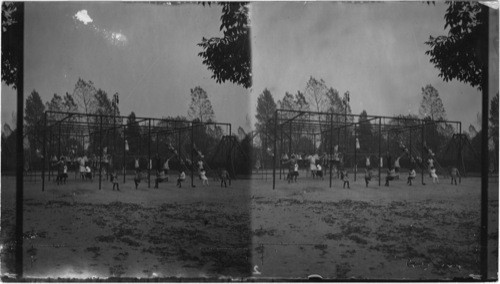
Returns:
<point x="88" y="99"/>
<point x="319" y="97"/>
<point x="85" y="98"/>
<point x="316" y="97"/>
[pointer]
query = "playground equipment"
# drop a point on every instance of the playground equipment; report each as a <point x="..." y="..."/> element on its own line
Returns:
<point x="346" y="140"/>
<point x="114" y="143"/>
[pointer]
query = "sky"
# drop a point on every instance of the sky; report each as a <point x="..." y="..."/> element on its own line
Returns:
<point x="376" y="51"/>
<point x="148" y="54"/>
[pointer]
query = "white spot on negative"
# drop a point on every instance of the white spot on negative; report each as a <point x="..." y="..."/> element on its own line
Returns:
<point x="83" y="17"/>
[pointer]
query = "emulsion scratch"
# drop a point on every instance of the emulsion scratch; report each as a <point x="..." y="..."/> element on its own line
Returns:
<point x="115" y="38"/>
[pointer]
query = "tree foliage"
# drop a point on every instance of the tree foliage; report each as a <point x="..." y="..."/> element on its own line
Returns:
<point x="365" y="134"/>
<point x="229" y="57"/>
<point x="132" y="134"/>
<point x="69" y="104"/>
<point x="62" y="104"/>
<point x="55" y="104"/>
<point x="291" y="102"/>
<point x="85" y="96"/>
<point x="316" y="94"/>
<point x="322" y="98"/>
<point x="431" y="105"/>
<point x="459" y="54"/>
<point x="103" y="105"/>
<point x="12" y="33"/>
<point x="33" y="117"/>
<point x="200" y="107"/>
<point x="266" y="106"/>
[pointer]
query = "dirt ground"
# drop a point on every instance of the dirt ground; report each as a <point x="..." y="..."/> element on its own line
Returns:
<point x="77" y="230"/>
<point x="396" y="232"/>
<point x="249" y="230"/>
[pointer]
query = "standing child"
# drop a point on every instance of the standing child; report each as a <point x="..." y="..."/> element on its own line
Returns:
<point x="60" y="171"/>
<point x="81" y="163"/>
<point x="257" y="165"/>
<point x="434" y="176"/>
<point x="224" y="176"/>
<point x="204" y="179"/>
<point x="345" y="178"/>
<point x="411" y="176"/>
<point x="295" y="171"/>
<point x="88" y="173"/>
<point x="182" y="177"/>
<point x="137" y="178"/>
<point x="368" y="176"/>
<point x="114" y="180"/>
<point x="319" y="171"/>
<point x="430" y="163"/>
<point x="312" y="165"/>
<point x="65" y="172"/>
<point x="454" y="174"/>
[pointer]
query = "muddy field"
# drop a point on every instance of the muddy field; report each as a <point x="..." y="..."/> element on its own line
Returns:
<point x="250" y="230"/>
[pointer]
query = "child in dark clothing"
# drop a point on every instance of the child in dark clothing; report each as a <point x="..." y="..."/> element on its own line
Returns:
<point x="137" y="178"/>
<point x="345" y="178"/>
<point x="114" y="180"/>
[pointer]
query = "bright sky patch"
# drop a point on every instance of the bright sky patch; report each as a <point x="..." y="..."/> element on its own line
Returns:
<point x="117" y="38"/>
<point x="83" y="17"/>
<point x="114" y="38"/>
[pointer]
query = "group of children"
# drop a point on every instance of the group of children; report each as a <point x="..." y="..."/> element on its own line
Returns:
<point x="314" y="167"/>
<point x="62" y="169"/>
<point x="392" y="172"/>
<point x="162" y="175"/>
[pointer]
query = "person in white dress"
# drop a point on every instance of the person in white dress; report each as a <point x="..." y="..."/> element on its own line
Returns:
<point x="312" y="165"/>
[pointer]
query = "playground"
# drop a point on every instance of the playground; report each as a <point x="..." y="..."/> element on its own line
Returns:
<point x="170" y="198"/>
<point x="397" y="232"/>
<point x="247" y="230"/>
<point x="77" y="230"/>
